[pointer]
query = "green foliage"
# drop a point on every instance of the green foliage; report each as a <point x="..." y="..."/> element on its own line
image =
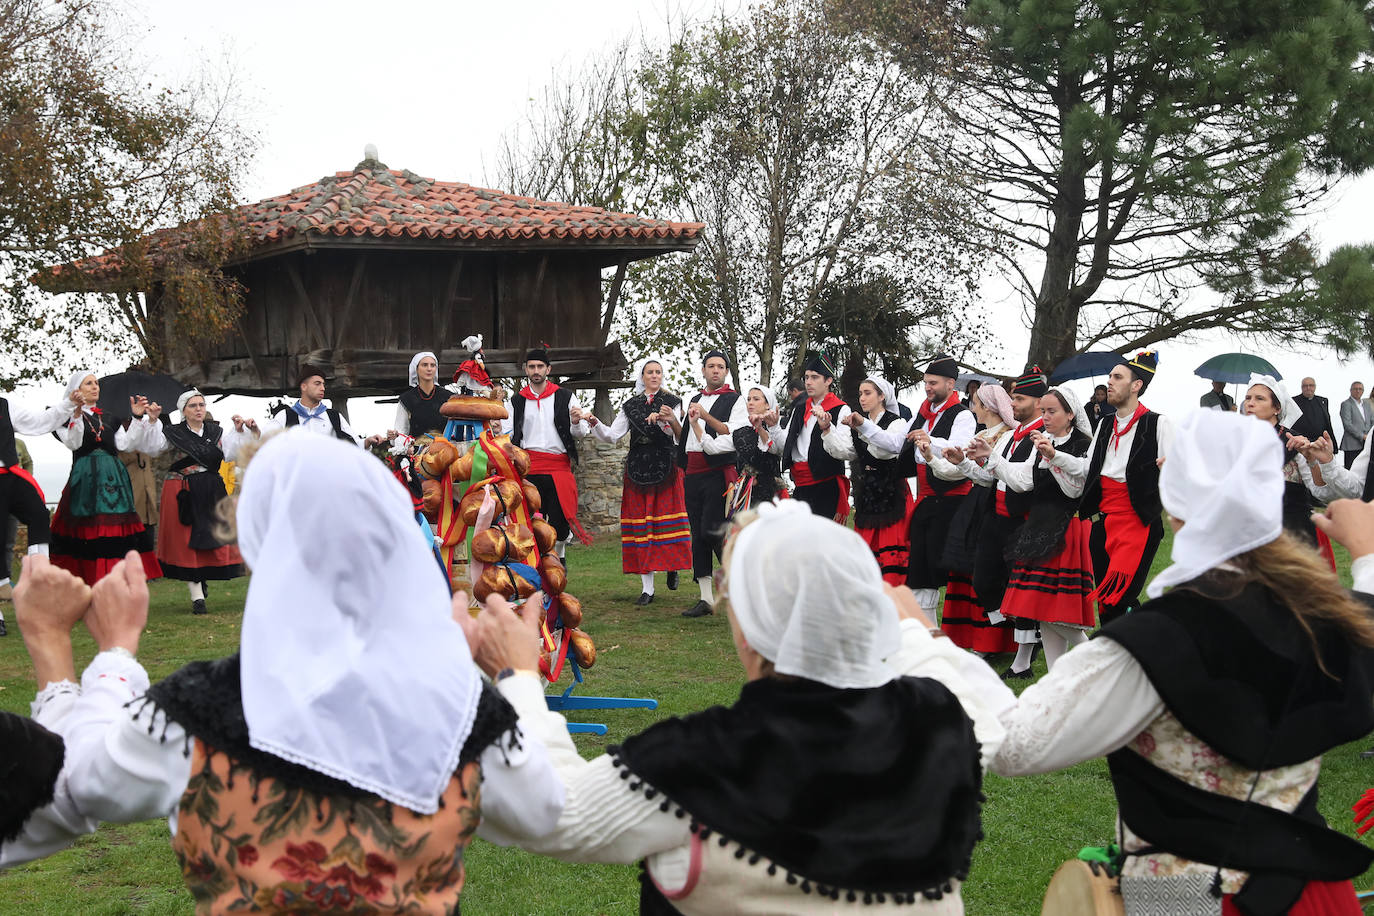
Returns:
<point x="93" y="159"/>
<point x="1152" y="159"/>
<point x="807" y="152"/>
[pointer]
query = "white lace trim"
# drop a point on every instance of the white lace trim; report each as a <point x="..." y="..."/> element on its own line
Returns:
<point x="53" y="690"/>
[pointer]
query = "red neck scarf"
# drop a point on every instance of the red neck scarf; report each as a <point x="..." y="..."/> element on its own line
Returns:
<point x="528" y="392"/>
<point x="827" y="404"/>
<point x="930" y="414"/>
<point x="723" y="389"/>
<point x="1025" y="429"/>
<point x="1118" y="431"/>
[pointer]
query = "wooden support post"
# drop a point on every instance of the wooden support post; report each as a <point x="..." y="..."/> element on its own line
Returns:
<point x="603" y="405"/>
<point x="445" y="310"/>
<point x="350" y="303"/>
<point x="316" y="328"/>
<point x="613" y="298"/>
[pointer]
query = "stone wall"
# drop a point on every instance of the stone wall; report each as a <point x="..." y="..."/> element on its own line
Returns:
<point x="600" y="478"/>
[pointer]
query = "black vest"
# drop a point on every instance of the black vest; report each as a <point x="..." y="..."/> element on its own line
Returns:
<point x="1368" y="480"/>
<point x="1142" y="474"/>
<point x="562" y="422"/>
<point x="8" y="453"/>
<point x="1018" y="504"/>
<point x="294" y="419"/>
<point x="653" y="453"/>
<point x="823" y="465"/>
<point x="1051" y="509"/>
<point x="906" y="461"/>
<point x="879" y="487"/>
<point x="424" y="411"/>
<point x="725" y="402"/>
<point x="750" y="459"/>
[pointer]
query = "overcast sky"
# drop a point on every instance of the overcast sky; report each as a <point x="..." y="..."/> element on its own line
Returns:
<point x="434" y="85"/>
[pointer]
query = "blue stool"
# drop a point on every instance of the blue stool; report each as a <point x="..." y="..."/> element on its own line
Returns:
<point x="566" y="701"/>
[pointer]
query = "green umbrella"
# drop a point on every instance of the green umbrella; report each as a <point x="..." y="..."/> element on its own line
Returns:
<point x="1236" y="368"/>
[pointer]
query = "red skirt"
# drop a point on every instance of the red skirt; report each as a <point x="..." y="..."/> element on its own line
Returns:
<point x="1056" y="590"/>
<point x="174" y="552"/>
<point x="891" y="544"/>
<point x="966" y="623"/>
<point x="90" y="546"/>
<point x="654" y="533"/>
<point x="1319" y="898"/>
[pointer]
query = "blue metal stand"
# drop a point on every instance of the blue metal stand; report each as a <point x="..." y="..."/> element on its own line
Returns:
<point x="566" y="701"/>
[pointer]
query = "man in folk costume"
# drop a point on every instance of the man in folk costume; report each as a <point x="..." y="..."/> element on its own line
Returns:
<point x="20" y="495"/>
<point x="706" y="451"/>
<point x="942" y="422"/>
<point x="1009" y="511"/>
<point x="309" y="412"/>
<point x="818" y="444"/>
<point x="544" y="420"/>
<point x="1121" y="495"/>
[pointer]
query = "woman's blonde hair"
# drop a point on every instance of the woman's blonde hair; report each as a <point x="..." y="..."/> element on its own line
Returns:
<point x="226" y="513"/>
<point x="1302" y="581"/>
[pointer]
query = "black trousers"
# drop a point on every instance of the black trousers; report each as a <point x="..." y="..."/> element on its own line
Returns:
<point x="19" y="499"/>
<point x="823" y="498"/>
<point x="929" y="530"/>
<point x="1097" y="546"/>
<point x="549" y="504"/>
<point x="990" y="567"/>
<point x="705" y="496"/>
<point x="1350" y="456"/>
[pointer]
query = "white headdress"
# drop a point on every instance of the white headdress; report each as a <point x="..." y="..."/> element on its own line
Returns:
<point x="351" y="662"/>
<point x="74" y="383"/>
<point x="639" y="371"/>
<point x="1080" y="416"/>
<point x="1289" y="411"/>
<point x="1223" y="478"/>
<point x="415" y="364"/>
<point x="739" y="414"/>
<point x="808" y="596"/>
<point x="888" y="392"/>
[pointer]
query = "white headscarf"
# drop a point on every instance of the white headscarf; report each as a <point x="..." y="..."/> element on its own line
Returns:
<point x="639" y="372"/>
<point x="1080" y="416"/>
<point x="739" y="414"/>
<point x="996" y="399"/>
<point x="415" y="364"/>
<point x="888" y="392"/>
<point x="809" y="597"/>
<point x="1289" y="411"/>
<point x="351" y="662"/>
<point x="74" y="383"/>
<point x="180" y="413"/>
<point x="1223" y="478"/>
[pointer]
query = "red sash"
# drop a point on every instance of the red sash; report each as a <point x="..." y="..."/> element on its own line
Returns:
<point x="923" y="488"/>
<point x="802" y="477"/>
<point x="22" y="474"/>
<point x="557" y="466"/>
<point x="1127" y="537"/>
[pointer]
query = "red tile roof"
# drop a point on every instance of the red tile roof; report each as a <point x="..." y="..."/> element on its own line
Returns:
<point x="389" y="204"/>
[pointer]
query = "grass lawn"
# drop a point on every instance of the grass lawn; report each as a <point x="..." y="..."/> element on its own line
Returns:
<point x="1032" y="824"/>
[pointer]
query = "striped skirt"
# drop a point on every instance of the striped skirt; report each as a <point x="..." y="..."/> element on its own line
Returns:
<point x="654" y="533"/>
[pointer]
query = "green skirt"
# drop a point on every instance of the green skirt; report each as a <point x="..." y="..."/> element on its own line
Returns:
<point x="99" y="485"/>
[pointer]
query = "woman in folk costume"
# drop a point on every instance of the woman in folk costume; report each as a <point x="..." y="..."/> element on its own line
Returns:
<point x="817" y="443"/>
<point x="882" y="499"/>
<point x="417" y="408"/>
<point x="187" y="544"/>
<point x="654" y="534"/>
<point x="1267" y="400"/>
<point x="758" y="451"/>
<point x="95" y="524"/>
<point x="1214" y="701"/>
<point x="350" y="745"/>
<point x="964" y="617"/>
<point x="1051" y="574"/>
<point x="721" y="806"/>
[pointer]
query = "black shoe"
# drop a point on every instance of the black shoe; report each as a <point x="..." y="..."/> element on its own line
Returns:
<point x="672" y="580"/>
<point x="198" y="606"/>
<point x="643" y="599"/>
<point x="700" y="609"/>
<point x="205" y="589"/>
<point x="1010" y="675"/>
<point x="3" y="631"/>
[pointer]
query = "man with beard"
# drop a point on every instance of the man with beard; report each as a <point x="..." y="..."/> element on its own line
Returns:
<point x="545" y="418"/>
<point x="1121" y="496"/>
<point x="943" y="422"/>
<point x="706" y="452"/>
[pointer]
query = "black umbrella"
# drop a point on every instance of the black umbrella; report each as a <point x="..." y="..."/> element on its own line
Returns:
<point x="1083" y="365"/>
<point x="159" y="388"/>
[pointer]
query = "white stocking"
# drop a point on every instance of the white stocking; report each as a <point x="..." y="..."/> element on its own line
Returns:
<point x="1024" y="653"/>
<point x="1060" y="639"/>
<point x="197" y="591"/>
<point x="707" y="593"/>
<point x="646" y="583"/>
